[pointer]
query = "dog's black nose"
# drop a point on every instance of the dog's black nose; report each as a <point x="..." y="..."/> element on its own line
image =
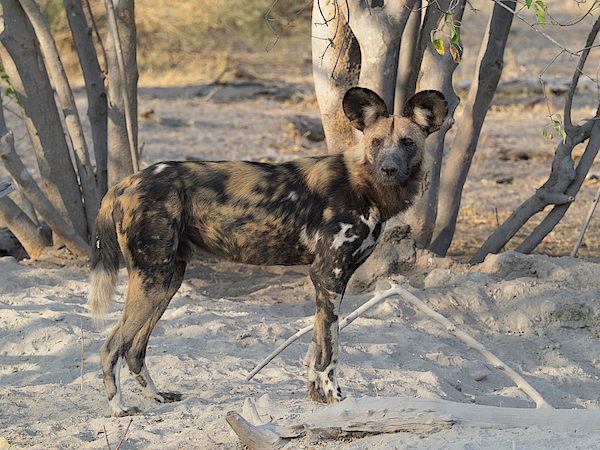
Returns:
<point x="389" y="170"/>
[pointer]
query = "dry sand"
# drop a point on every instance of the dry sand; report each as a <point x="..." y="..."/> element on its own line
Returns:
<point x="538" y="314"/>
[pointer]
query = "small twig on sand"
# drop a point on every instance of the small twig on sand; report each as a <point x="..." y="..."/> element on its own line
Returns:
<point x="124" y="434"/>
<point x="106" y="437"/>
<point x="122" y="437"/>
<point x="82" y="354"/>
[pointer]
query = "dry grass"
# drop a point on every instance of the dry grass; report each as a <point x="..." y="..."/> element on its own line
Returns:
<point x="182" y="42"/>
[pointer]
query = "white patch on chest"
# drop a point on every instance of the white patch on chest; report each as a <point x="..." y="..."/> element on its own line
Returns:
<point x="341" y="238"/>
<point x="370" y="240"/>
<point x="159" y="168"/>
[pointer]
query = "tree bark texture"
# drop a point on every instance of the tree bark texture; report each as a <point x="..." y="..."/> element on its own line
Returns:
<point x="407" y="59"/>
<point x="94" y="84"/>
<point x="434" y="71"/>
<point x="378" y="30"/>
<point x="120" y="161"/>
<point x="458" y="162"/>
<point x="28" y="234"/>
<point x="61" y="229"/>
<point x="336" y="68"/>
<point x="38" y="109"/>
<point x="85" y="169"/>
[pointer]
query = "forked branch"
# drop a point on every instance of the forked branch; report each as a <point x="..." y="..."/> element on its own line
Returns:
<point x="449" y="326"/>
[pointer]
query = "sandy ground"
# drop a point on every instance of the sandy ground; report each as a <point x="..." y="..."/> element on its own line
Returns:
<point x="539" y="314"/>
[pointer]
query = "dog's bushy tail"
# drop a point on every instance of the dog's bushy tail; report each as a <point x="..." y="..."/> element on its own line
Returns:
<point x="105" y="260"/>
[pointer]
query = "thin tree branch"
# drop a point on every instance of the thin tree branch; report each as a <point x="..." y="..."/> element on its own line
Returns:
<point x="585" y="225"/>
<point x="568" y="126"/>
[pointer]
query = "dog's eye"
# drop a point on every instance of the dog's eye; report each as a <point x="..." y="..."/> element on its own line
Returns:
<point x="375" y="142"/>
<point x="408" y="143"/>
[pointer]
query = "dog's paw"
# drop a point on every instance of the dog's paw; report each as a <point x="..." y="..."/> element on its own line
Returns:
<point x="320" y="395"/>
<point x="168" y="397"/>
<point x="334" y="397"/>
<point x="126" y="412"/>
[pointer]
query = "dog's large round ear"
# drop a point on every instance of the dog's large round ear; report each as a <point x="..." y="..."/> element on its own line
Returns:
<point x="363" y="107"/>
<point x="428" y="109"/>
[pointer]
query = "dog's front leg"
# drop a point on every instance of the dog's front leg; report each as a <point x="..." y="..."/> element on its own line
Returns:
<point x="322" y="358"/>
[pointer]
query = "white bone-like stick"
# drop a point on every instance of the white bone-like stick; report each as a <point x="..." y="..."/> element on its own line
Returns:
<point x="347" y="321"/>
<point x="449" y="326"/>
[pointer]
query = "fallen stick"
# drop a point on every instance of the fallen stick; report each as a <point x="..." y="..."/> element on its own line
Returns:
<point x="474" y="345"/>
<point x="344" y="323"/>
<point x="357" y="416"/>
<point x="449" y="326"/>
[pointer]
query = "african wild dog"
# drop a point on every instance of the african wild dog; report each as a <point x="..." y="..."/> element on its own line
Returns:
<point x="326" y="211"/>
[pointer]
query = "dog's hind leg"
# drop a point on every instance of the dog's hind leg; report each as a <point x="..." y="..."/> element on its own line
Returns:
<point x="146" y="302"/>
<point x="136" y="354"/>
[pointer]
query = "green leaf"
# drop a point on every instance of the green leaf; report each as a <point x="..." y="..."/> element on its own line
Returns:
<point x="10" y="90"/>
<point x="454" y="37"/>
<point x="539" y="15"/>
<point x="545" y="133"/>
<point x="528" y="3"/>
<point x="540" y="3"/>
<point x="439" y="46"/>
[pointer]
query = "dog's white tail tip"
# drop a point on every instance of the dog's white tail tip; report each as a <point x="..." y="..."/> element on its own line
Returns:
<point x="102" y="287"/>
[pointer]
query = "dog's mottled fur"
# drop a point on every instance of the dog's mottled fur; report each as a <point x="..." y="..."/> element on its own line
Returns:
<point x="326" y="211"/>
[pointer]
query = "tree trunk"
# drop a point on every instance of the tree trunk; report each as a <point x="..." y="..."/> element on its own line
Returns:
<point x="458" y="162"/>
<point x="85" y="169"/>
<point x="28" y="233"/>
<point x="94" y="84"/>
<point x="336" y="68"/>
<point x="378" y="30"/>
<point x="407" y="59"/>
<point x="38" y="109"/>
<point x="557" y="213"/>
<point x="435" y="73"/>
<point x="564" y="181"/>
<point x="554" y="191"/>
<point x="120" y="161"/>
<point x="29" y="187"/>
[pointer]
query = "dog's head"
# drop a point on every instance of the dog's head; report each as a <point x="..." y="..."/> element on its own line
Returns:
<point x="394" y="147"/>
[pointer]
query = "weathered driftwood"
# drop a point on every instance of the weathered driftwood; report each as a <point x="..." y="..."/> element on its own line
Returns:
<point x="375" y="415"/>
